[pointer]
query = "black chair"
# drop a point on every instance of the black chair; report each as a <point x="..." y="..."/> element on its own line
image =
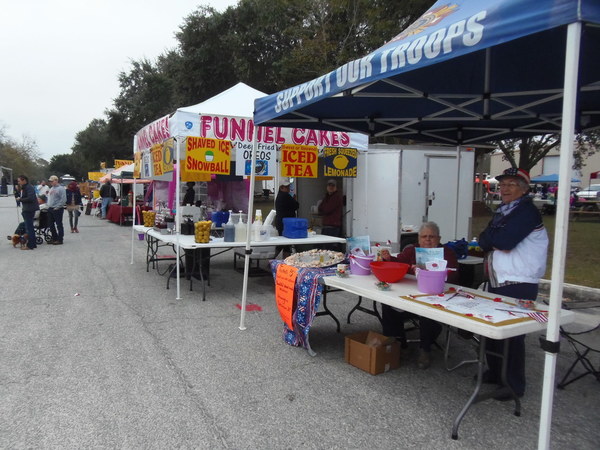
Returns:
<point x="583" y="354"/>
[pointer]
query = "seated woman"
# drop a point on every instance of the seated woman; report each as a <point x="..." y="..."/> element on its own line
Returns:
<point x="393" y="319"/>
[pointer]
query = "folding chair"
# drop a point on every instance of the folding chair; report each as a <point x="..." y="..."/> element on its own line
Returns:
<point x="583" y="352"/>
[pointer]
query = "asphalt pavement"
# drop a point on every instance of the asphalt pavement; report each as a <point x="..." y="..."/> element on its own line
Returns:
<point x="95" y="352"/>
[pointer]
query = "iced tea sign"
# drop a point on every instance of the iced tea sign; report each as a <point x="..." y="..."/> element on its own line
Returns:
<point x="206" y="155"/>
<point x="299" y="161"/>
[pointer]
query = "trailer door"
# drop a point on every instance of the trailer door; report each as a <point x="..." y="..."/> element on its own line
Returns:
<point x="441" y="194"/>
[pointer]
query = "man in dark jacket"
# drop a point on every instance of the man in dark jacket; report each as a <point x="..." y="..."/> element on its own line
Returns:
<point x="30" y="205"/>
<point x="285" y="205"/>
<point x="108" y="194"/>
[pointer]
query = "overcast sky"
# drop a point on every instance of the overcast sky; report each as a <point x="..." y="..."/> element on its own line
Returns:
<point x="60" y="59"/>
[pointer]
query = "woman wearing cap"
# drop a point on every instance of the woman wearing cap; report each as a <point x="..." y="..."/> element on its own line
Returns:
<point x="516" y="246"/>
<point x="74" y="205"/>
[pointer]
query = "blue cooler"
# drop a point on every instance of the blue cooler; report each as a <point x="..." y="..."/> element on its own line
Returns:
<point x="219" y="218"/>
<point x="295" y="228"/>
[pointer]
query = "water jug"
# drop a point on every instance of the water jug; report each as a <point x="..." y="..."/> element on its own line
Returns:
<point x="229" y="230"/>
<point x="240" y="230"/>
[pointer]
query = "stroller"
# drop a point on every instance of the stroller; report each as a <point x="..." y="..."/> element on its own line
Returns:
<point x="42" y="228"/>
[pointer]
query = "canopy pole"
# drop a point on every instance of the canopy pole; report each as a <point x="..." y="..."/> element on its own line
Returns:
<point x="133" y="224"/>
<point x="562" y="226"/>
<point x="177" y="213"/>
<point x="457" y="193"/>
<point x="249" y="229"/>
<point x="133" y="187"/>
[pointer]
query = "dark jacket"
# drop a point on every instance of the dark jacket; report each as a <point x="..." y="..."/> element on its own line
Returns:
<point x="108" y="191"/>
<point x="74" y="197"/>
<point x="506" y="232"/>
<point x="28" y="198"/>
<point x="285" y="206"/>
<point x="331" y="209"/>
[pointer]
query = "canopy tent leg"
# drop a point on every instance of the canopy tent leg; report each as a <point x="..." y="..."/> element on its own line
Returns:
<point x="178" y="212"/>
<point x="249" y="229"/>
<point x="562" y="227"/>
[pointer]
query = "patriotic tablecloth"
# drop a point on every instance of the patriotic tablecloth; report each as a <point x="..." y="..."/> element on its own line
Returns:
<point x="307" y="291"/>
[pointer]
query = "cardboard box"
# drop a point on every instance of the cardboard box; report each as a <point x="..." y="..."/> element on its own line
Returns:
<point x="372" y="352"/>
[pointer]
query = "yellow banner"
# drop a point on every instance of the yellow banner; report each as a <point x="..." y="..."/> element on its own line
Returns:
<point x="156" y="155"/>
<point x="168" y="154"/>
<point x="193" y="176"/>
<point x="95" y="176"/>
<point x="299" y="161"/>
<point x="137" y="164"/>
<point x="206" y="155"/>
<point x="122" y="162"/>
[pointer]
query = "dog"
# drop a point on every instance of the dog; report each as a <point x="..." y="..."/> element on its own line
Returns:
<point x="20" y="240"/>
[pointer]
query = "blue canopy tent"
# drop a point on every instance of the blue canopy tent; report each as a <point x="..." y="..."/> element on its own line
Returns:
<point x="465" y="73"/>
<point x="552" y="178"/>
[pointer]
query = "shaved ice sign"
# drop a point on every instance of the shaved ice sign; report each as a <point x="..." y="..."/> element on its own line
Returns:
<point x="206" y="155"/>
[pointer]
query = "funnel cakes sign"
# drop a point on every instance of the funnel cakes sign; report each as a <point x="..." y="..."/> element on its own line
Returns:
<point x="206" y="155"/>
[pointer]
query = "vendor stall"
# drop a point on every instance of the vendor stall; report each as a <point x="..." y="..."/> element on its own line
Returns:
<point x="216" y="138"/>
<point x="404" y="89"/>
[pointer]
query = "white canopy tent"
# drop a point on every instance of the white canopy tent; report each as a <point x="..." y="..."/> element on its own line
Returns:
<point x="234" y="104"/>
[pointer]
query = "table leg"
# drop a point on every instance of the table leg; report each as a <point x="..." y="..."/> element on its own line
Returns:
<point x="476" y="397"/>
<point x="475" y="394"/>
<point x="326" y="311"/>
<point x="358" y="307"/>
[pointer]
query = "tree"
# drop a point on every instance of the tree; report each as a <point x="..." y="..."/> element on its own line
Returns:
<point x="532" y="149"/>
<point x="67" y="163"/>
<point x="22" y="157"/>
<point x="268" y="44"/>
<point x="93" y="146"/>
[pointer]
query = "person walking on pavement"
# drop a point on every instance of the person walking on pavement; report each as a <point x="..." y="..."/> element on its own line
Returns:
<point x="74" y="205"/>
<point x="107" y="193"/>
<point x="57" y="199"/>
<point x="29" y="201"/>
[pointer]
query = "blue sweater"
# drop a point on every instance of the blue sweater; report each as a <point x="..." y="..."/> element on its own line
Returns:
<point x="519" y="243"/>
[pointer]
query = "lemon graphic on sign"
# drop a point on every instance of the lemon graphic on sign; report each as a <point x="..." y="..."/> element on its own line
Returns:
<point x="340" y="162"/>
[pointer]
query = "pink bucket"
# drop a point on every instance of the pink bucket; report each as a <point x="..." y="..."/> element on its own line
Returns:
<point x="431" y="281"/>
<point x="361" y="265"/>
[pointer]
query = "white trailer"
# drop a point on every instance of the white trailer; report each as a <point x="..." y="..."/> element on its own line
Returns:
<point x="398" y="186"/>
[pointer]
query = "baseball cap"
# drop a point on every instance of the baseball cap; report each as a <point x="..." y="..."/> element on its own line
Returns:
<point x="332" y="181"/>
<point x="514" y="172"/>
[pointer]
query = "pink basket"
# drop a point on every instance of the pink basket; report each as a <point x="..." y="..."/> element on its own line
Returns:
<point x="361" y="265"/>
<point x="431" y="281"/>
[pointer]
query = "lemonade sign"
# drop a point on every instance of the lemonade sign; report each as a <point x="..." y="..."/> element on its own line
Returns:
<point x="339" y="162"/>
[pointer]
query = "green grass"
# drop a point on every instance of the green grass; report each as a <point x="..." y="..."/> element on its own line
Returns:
<point x="583" y="249"/>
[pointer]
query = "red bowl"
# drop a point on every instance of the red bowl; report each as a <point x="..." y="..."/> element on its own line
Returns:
<point x="389" y="271"/>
